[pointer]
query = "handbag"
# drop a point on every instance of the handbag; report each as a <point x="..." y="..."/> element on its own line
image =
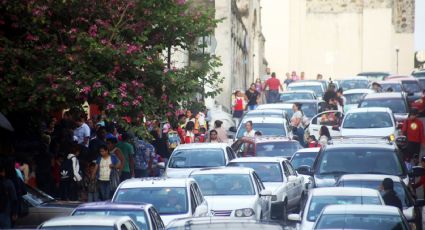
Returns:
<point x="114" y="179"/>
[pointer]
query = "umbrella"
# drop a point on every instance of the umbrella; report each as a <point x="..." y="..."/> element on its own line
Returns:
<point x="4" y="123"/>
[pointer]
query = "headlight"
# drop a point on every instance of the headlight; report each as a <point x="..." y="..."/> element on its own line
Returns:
<point x="245" y="212"/>
<point x="392" y="138"/>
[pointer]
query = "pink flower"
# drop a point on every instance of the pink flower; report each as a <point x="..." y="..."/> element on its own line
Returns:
<point x="123" y="85"/>
<point x="136" y="102"/>
<point x="62" y="48"/>
<point x="140" y="98"/>
<point x="166" y="70"/>
<point x="97" y="85"/>
<point x="123" y="94"/>
<point x="104" y="41"/>
<point x="86" y="89"/>
<point x="106" y="93"/>
<point x="31" y="37"/>
<point x="93" y="30"/>
<point x="164" y="97"/>
<point x="171" y="106"/>
<point x="125" y="103"/>
<point x="131" y="49"/>
<point x="110" y="106"/>
<point x="180" y="2"/>
<point x="135" y="83"/>
<point x="55" y="86"/>
<point x="78" y="82"/>
<point x="73" y="31"/>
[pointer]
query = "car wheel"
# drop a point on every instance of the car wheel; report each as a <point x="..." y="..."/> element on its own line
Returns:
<point x="284" y="212"/>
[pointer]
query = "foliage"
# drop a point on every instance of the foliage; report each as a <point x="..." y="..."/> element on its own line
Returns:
<point x="58" y="54"/>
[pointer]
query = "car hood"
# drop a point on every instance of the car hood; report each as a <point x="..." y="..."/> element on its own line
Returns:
<point x="178" y="173"/>
<point x="273" y="186"/>
<point x="230" y="202"/>
<point x="166" y="219"/>
<point x="62" y="204"/>
<point x="375" y="132"/>
<point x="326" y="181"/>
<point x="350" y="106"/>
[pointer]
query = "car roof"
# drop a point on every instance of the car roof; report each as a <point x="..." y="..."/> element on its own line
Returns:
<point x="263" y="120"/>
<point x="153" y="182"/>
<point x="112" y="206"/>
<point x="354" y="91"/>
<point x="384" y="95"/>
<point x="274" y="106"/>
<point x="298" y="91"/>
<point x="394" y="82"/>
<point x="376" y="145"/>
<point x="202" y="146"/>
<point x="373" y="73"/>
<point x="212" y="222"/>
<point x="260" y="159"/>
<point x="308" y="150"/>
<point x="85" y="221"/>
<point x="305" y="83"/>
<point x="356" y="78"/>
<point x="361" y="209"/>
<point x="225" y="170"/>
<point x="264" y="139"/>
<point x="369" y="109"/>
<point x="368" y="177"/>
<point x="344" y="191"/>
<point x="303" y="101"/>
<point x="265" y="112"/>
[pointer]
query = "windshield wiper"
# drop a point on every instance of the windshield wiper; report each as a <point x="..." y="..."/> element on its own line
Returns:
<point x="333" y="172"/>
<point x="372" y="172"/>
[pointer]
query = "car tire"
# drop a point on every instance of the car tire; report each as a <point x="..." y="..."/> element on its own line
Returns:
<point x="285" y="212"/>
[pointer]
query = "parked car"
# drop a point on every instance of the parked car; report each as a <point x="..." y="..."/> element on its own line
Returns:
<point x="397" y="102"/>
<point x="188" y="157"/>
<point x="411" y="87"/>
<point x="280" y="177"/>
<point x="219" y="223"/>
<point x="90" y="223"/>
<point x="332" y="119"/>
<point x="317" y="87"/>
<point x="234" y="192"/>
<point x="354" y="83"/>
<point x="266" y="147"/>
<point x="367" y="217"/>
<point x="310" y="107"/>
<point x="412" y="209"/>
<point x="297" y="95"/>
<point x="268" y="126"/>
<point x="353" y="98"/>
<point x="144" y="215"/>
<point x="42" y="207"/>
<point x="374" y="76"/>
<point x="319" y="198"/>
<point x="172" y="197"/>
<point x="278" y="106"/>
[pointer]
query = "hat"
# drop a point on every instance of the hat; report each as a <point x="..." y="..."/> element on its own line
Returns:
<point x="388" y="184"/>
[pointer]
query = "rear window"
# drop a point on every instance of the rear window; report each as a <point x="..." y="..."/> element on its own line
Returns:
<point x="267" y="129"/>
<point x="295" y="96"/>
<point x="197" y="158"/>
<point x="353" y="98"/>
<point x="411" y="87"/>
<point x="318" y="90"/>
<point x="369" y="120"/>
<point x="354" y="84"/>
<point x="396" y="87"/>
<point x="277" y="149"/>
<point x="397" y="105"/>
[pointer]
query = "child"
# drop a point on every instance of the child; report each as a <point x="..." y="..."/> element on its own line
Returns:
<point x="312" y="142"/>
<point x="90" y="184"/>
<point x="201" y="136"/>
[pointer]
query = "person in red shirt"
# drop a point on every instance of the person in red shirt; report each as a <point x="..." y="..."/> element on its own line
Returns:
<point x="312" y="142"/>
<point x="413" y="129"/>
<point x="274" y="84"/>
<point x="238" y="104"/>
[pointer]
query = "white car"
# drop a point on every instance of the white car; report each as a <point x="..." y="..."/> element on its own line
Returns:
<point x="305" y="157"/>
<point x="317" y="87"/>
<point x="90" y="222"/>
<point x="234" y="192"/>
<point x="352" y="216"/>
<point x="330" y="119"/>
<point x="297" y="95"/>
<point x="353" y="97"/>
<point x="188" y="157"/>
<point x="286" y="107"/>
<point x="269" y="126"/>
<point x="321" y="197"/>
<point x="278" y="176"/>
<point x="354" y="83"/>
<point x="172" y="197"/>
<point x="372" y="122"/>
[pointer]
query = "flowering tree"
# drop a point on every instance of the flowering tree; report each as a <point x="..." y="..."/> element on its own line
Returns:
<point x="59" y="54"/>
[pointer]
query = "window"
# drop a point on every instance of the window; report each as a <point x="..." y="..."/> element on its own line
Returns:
<point x="290" y="169"/>
<point x="277" y="149"/>
<point x="197" y="158"/>
<point x="230" y="154"/>
<point x="285" y="169"/>
<point x="154" y="220"/>
<point x="199" y="193"/>
<point x="225" y="184"/>
<point x="138" y="216"/>
<point x="368" y="120"/>
<point x="267" y="171"/>
<point x="260" y="184"/>
<point x="158" y="220"/>
<point x="397" y="105"/>
<point x="361" y="221"/>
<point x="193" y="200"/>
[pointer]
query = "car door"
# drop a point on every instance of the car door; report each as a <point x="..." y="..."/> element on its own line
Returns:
<point x="297" y="183"/>
<point x="264" y="201"/>
<point x="289" y="186"/>
<point x="330" y="119"/>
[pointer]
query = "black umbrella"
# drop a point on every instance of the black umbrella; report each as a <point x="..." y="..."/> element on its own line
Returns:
<point x="4" y="123"/>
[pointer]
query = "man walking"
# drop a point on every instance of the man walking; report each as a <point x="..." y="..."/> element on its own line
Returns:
<point x="253" y="97"/>
<point x="413" y="129"/>
<point x="274" y="84"/>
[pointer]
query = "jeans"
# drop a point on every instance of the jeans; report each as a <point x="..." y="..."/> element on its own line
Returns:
<point x="252" y="107"/>
<point x="68" y="190"/>
<point x="139" y="173"/>
<point x="93" y="196"/>
<point x="273" y="96"/>
<point x="5" y="221"/>
<point x="105" y="190"/>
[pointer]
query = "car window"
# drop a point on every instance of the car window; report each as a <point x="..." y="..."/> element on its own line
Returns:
<point x="285" y="169"/>
<point x="258" y="181"/>
<point x="267" y="171"/>
<point x="290" y="169"/>
<point x="411" y="86"/>
<point x="225" y="184"/>
<point x="158" y="219"/>
<point x="397" y="105"/>
<point x="330" y="119"/>
<point x="300" y="159"/>
<point x="230" y="154"/>
<point x="295" y="96"/>
<point x="354" y="84"/>
<point x="353" y="98"/>
<point x="198" y="193"/>
<point x="267" y="129"/>
<point x="368" y="120"/>
<point x="153" y="218"/>
<point x="361" y="221"/>
<point x="197" y="158"/>
<point x="318" y="90"/>
<point x="277" y="149"/>
<point x="193" y="201"/>
<point x="396" y="87"/>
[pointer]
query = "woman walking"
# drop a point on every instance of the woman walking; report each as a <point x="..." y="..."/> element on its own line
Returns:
<point x="296" y="122"/>
<point x="105" y="164"/>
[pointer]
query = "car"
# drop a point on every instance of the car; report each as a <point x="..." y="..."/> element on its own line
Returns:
<point x="234" y="192"/>
<point x="374" y="76"/>
<point x="317" y="87"/>
<point x="267" y="113"/>
<point x="418" y="73"/>
<point x="310" y="107"/>
<point x="410" y="86"/>
<point x="370" y="121"/>
<point x="354" y="83"/>
<point x="353" y="97"/>
<point x="297" y="95"/>
<point x="304" y="157"/>
<point x="266" y="146"/>
<point x="219" y="223"/>
<point x="396" y="86"/>
<point x="172" y="197"/>
<point x="355" y="216"/>
<point x="319" y="198"/>
<point x="421" y="80"/>
<point x="188" y="157"/>
<point x="278" y="106"/>
<point x="268" y="126"/>
<point x="90" y="223"/>
<point x="331" y="119"/>
<point x="397" y="102"/>
<point x="355" y="156"/>
<point x="278" y="176"/>
<point x="411" y="208"/>
<point x="144" y="215"/>
<point x="42" y="207"/>
<point x="325" y="83"/>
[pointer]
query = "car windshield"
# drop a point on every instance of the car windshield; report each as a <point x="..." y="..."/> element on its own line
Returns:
<point x="399" y="189"/>
<point x="361" y="221"/>
<point x="168" y="201"/>
<point x="309" y="109"/>
<point x="197" y="158"/>
<point x="277" y="149"/>
<point x="138" y="216"/>
<point x="360" y="160"/>
<point x="397" y="105"/>
<point x="80" y="227"/>
<point x="367" y="120"/>
<point x="422" y="82"/>
<point x="353" y="98"/>
<point x="267" y="171"/>
<point x="295" y="96"/>
<point x="318" y="90"/>
<point x="318" y="203"/>
<point x="374" y="76"/>
<point x="267" y="129"/>
<point x="225" y="184"/>
<point x="411" y="87"/>
<point x="300" y="159"/>
<point x="395" y="87"/>
<point x="354" y="84"/>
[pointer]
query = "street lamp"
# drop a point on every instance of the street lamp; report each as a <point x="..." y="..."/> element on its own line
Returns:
<point x="396" y="53"/>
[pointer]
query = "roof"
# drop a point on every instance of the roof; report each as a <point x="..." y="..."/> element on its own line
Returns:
<point x="155" y="182"/>
<point x="356" y="91"/>
<point x="263" y="120"/>
<point x="373" y="73"/>
<point x="308" y="150"/>
<point x="112" y="206"/>
<point x="361" y="209"/>
<point x="357" y="78"/>
<point x="263" y="139"/>
<point x="376" y="145"/>
<point x="274" y="106"/>
<point x="226" y="223"/>
<point x="369" y="109"/>
<point x="394" y="82"/>
<point x="298" y="91"/>
<point x="84" y="221"/>
<point x="344" y="191"/>
<point x="304" y="101"/>
<point x="305" y="83"/>
<point x="384" y="95"/>
<point x="260" y="159"/>
<point x="265" y="112"/>
<point x="226" y="170"/>
<point x="203" y="146"/>
<point x="368" y="177"/>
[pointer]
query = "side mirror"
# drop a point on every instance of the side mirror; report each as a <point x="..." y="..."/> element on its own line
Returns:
<point x="305" y="170"/>
<point x="294" y="217"/>
<point x="233" y="129"/>
<point x="419" y="203"/>
<point x="161" y="165"/>
<point x="292" y="178"/>
<point x="266" y="192"/>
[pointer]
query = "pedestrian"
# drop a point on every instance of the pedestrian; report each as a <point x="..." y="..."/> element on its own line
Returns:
<point x="200" y="138"/>
<point x="324" y="135"/>
<point x="181" y="126"/>
<point x="376" y="87"/>
<point x="296" y="122"/>
<point x="8" y="199"/>
<point x="258" y="134"/>
<point x="90" y="184"/>
<point x="341" y="99"/>
<point x="105" y="163"/>
<point x="302" y="76"/>
<point x="390" y="196"/>
<point x="312" y="142"/>
<point x="160" y="144"/>
<point x="127" y="151"/>
<point x="413" y="129"/>
<point x="249" y="131"/>
<point x="143" y="151"/>
<point x="319" y="76"/>
<point x="288" y="80"/>
<point x="112" y="142"/>
<point x="258" y="86"/>
<point x="221" y="132"/>
<point x="253" y="97"/>
<point x="213" y="136"/>
<point x="82" y="132"/>
<point x="98" y="141"/>
<point x="421" y="181"/>
<point x="189" y="136"/>
<point x="70" y="174"/>
<point x="238" y="104"/>
<point x="294" y="76"/>
<point x="274" y="84"/>
<point x="390" y="90"/>
<point x="330" y="93"/>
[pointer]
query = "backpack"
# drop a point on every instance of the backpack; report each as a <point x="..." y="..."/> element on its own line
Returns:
<point x="66" y="170"/>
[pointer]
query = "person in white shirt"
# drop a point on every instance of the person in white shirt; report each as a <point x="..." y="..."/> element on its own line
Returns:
<point x="250" y="132"/>
<point x="82" y="132"/>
